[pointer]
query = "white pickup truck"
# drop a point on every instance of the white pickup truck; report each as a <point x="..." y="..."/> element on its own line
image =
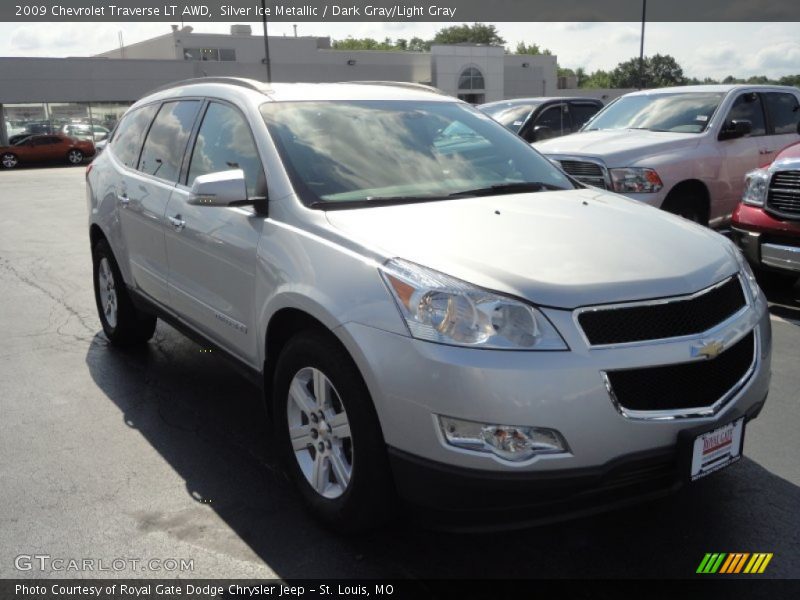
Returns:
<point x="683" y="149"/>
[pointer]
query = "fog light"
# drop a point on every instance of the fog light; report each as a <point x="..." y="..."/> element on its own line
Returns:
<point x="510" y="442"/>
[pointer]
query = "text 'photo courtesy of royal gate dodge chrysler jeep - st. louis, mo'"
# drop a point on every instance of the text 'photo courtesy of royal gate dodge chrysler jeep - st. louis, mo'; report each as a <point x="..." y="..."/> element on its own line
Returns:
<point x="436" y="311"/>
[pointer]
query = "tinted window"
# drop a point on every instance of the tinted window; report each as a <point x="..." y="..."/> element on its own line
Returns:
<point x="581" y="113"/>
<point x="225" y="142"/>
<point x="46" y="141"/>
<point x="747" y="107"/>
<point x="166" y="142"/>
<point x="784" y="112"/>
<point x="554" y="118"/>
<point x="128" y="139"/>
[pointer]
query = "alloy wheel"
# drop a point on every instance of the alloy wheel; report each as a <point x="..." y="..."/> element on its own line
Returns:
<point x="75" y="156"/>
<point x="319" y="431"/>
<point x="9" y="161"/>
<point x="108" y="293"/>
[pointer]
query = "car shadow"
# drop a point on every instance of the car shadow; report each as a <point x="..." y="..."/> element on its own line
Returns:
<point x="783" y="294"/>
<point x="208" y="424"/>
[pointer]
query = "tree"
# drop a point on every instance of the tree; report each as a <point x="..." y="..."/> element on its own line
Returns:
<point x="477" y="33"/>
<point x="534" y="49"/>
<point x="598" y="79"/>
<point x="659" y="71"/>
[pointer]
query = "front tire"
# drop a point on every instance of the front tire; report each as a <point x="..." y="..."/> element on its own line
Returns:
<point x="74" y="157"/>
<point x="9" y="161"/>
<point x="122" y="323"/>
<point x="689" y="207"/>
<point x="328" y="434"/>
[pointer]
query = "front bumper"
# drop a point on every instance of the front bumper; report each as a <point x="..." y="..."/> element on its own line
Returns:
<point x="765" y="240"/>
<point x="467" y="499"/>
<point x="412" y="381"/>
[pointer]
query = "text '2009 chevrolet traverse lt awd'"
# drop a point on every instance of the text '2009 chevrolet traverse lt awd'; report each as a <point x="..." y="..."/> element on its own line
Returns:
<point x="435" y="311"/>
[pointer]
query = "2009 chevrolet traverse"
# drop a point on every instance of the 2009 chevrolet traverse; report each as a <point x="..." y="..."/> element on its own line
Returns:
<point x="434" y="309"/>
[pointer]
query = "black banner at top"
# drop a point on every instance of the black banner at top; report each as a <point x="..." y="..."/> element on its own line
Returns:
<point x="296" y="11"/>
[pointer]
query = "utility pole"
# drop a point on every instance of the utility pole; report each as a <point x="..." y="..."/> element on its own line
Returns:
<point x="266" y="40"/>
<point x="641" y="46"/>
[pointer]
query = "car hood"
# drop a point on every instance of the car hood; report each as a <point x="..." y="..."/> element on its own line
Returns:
<point x="560" y="249"/>
<point x="617" y="147"/>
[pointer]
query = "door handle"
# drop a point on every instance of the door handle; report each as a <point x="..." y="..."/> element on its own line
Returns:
<point x="177" y="222"/>
<point x="123" y="199"/>
<point x="765" y="151"/>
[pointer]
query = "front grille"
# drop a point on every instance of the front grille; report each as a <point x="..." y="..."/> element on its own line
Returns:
<point x="695" y="384"/>
<point x="783" y="197"/>
<point x="671" y="318"/>
<point x="586" y="172"/>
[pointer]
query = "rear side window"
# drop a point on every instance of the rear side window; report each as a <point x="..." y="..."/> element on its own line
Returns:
<point x="166" y="141"/>
<point x="128" y="139"/>
<point x="581" y="113"/>
<point x="784" y="112"/>
<point x="225" y="142"/>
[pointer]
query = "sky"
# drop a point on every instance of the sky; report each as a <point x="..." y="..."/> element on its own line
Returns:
<point x="702" y="49"/>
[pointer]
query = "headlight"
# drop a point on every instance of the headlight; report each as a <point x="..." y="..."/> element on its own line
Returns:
<point x="440" y="308"/>
<point x="635" y="180"/>
<point x="755" y="187"/>
<point x="747" y="271"/>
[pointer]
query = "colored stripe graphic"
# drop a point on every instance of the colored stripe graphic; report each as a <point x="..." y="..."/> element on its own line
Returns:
<point x="733" y="563"/>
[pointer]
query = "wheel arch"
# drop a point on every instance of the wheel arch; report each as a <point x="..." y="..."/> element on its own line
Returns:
<point x="690" y="186"/>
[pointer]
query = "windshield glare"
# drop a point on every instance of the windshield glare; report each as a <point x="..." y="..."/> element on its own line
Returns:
<point x="512" y="117"/>
<point x="679" y="112"/>
<point x="361" y="151"/>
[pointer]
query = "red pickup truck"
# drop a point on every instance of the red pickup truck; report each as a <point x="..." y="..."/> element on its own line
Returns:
<point x="766" y="224"/>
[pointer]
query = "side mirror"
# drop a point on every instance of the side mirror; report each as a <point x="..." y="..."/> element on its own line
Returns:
<point x="736" y="129"/>
<point x="225" y="188"/>
<point x="541" y="132"/>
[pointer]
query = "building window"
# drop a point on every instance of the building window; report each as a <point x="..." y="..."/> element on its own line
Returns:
<point x="471" y="79"/>
<point x="212" y="54"/>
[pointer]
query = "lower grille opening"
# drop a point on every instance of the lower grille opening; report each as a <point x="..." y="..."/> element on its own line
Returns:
<point x="685" y="385"/>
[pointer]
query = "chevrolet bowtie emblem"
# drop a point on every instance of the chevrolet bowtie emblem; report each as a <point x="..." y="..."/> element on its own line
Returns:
<point x="710" y="349"/>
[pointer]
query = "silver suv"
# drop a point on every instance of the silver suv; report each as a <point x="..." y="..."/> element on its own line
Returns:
<point x="434" y="310"/>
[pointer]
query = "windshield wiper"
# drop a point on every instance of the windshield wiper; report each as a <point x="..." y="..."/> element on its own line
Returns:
<point x="508" y="188"/>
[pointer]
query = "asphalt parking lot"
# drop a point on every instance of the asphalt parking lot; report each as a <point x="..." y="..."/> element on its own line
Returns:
<point x="163" y="453"/>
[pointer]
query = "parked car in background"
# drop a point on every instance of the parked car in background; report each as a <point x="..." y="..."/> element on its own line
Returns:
<point x="384" y="287"/>
<point x="46" y="148"/>
<point x="85" y="131"/>
<point x="766" y="224"/>
<point x="683" y="149"/>
<point x="538" y="119"/>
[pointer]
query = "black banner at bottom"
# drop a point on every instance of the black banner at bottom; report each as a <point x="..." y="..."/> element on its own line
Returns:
<point x="488" y="589"/>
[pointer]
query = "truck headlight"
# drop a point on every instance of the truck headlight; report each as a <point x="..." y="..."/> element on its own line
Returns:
<point x="756" y="183"/>
<point x="509" y="442"/>
<point x="443" y="309"/>
<point x="635" y="180"/>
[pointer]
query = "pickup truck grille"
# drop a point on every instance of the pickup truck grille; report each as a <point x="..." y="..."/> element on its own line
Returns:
<point x="697" y="384"/>
<point x="783" y="197"/>
<point x="586" y="172"/>
<point x="673" y="317"/>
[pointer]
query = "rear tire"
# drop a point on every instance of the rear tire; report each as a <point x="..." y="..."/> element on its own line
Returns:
<point x="335" y="453"/>
<point x="122" y="323"/>
<point x="9" y="161"/>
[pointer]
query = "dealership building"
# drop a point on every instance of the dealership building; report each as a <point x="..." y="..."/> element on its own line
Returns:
<point x="46" y="93"/>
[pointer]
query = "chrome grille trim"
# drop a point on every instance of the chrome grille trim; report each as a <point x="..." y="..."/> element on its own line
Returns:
<point x="783" y="195"/>
<point x="622" y="305"/>
<point x="589" y="171"/>
<point x="696" y="412"/>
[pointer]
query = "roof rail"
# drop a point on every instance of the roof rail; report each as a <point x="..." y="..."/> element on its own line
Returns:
<point x="258" y="86"/>
<point x="401" y="84"/>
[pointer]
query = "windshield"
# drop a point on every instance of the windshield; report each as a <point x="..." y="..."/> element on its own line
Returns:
<point x="358" y="152"/>
<point x="510" y="116"/>
<point x="679" y="112"/>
